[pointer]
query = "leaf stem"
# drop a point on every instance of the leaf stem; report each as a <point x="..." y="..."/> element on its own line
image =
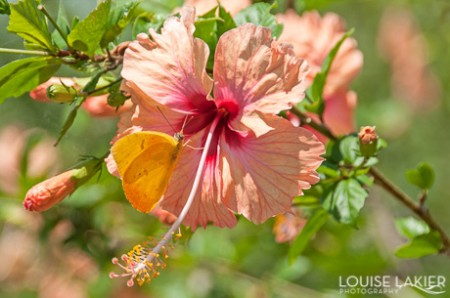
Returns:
<point x="26" y="52"/>
<point x="49" y="17"/>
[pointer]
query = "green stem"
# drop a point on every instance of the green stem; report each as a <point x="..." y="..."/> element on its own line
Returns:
<point x="104" y="87"/>
<point x="49" y="17"/>
<point x="26" y="52"/>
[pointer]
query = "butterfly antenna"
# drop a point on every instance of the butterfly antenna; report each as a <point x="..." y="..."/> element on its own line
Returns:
<point x="167" y="120"/>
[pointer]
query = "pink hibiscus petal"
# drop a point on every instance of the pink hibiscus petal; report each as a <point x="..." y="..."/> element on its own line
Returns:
<point x="256" y="74"/>
<point x="207" y="206"/>
<point x="261" y="175"/>
<point x="339" y="111"/>
<point x="313" y="36"/>
<point x="170" y="68"/>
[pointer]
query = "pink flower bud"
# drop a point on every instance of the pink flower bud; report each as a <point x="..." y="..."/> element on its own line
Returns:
<point x="367" y="134"/>
<point x="40" y="92"/>
<point x="44" y="195"/>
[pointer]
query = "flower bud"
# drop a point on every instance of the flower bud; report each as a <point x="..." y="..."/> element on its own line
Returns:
<point x="46" y="194"/>
<point x="368" y="140"/>
<point x="40" y="92"/>
<point x="61" y="93"/>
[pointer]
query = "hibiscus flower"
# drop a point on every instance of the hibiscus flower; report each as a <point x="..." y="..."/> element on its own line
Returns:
<point x="255" y="161"/>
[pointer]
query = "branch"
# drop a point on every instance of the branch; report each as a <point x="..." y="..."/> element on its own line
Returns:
<point x="418" y="208"/>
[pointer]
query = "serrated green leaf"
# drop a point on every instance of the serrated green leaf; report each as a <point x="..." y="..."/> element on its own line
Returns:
<point x="88" y="33"/>
<point x="420" y="246"/>
<point x="422" y="176"/>
<point x="259" y="14"/>
<point x="30" y="24"/>
<point x="146" y="21"/>
<point x="344" y="200"/>
<point x="411" y="227"/>
<point x="4" y="7"/>
<point x="210" y="26"/>
<point x="23" y="75"/>
<point x="314" y="223"/>
<point x="226" y="21"/>
<point x="349" y="148"/>
<point x="120" y="15"/>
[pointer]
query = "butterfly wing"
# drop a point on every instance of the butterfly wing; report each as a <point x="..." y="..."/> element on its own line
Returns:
<point x="145" y="161"/>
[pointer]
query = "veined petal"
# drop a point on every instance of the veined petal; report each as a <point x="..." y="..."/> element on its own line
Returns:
<point x="257" y="73"/>
<point x="170" y="67"/>
<point x="261" y="175"/>
<point x="207" y="206"/>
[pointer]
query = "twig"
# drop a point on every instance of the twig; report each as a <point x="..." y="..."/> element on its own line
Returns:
<point x="26" y="52"/>
<point x="420" y="211"/>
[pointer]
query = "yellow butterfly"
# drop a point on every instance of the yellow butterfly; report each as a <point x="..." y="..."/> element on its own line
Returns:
<point x="145" y="161"/>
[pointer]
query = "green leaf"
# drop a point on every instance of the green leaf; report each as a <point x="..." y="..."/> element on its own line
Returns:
<point x="259" y="14"/>
<point x="76" y="104"/>
<point x="116" y="98"/>
<point x="411" y="227"/>
<point x="303" y="5"/>
<point x="4" y="7"/>
<point x="63" y="24"/>
<point x="120" y="15"/>
<point x="421" y="246"/>
<point x="422" y="176"/>
<point x="315" y="222"/>
<point x="344" y="200"/>
<point x="210" y="27"/>
<point x="88" y="33"/>
<point x="306" y="201"/>
<point x="314" y="93"/>
<point x="349" y="148"/>
<point x="225" y="22"/>
<point x="23" y="75"/>
<point x="146" y="21"/>
<point x="30" y="24"/>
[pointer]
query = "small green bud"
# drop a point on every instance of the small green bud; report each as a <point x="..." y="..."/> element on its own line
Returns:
<point x="61" y="93"/>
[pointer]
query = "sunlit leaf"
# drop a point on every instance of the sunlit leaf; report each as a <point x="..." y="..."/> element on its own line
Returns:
<point x="88" y="33"/>
<point x="259" y="14"/>
<point x="23" y="75"/>
<point x="120" y="15"/>
<point x="411" y="227"/>
<point x="30" y="24"/>
<point x="344" y="200"/>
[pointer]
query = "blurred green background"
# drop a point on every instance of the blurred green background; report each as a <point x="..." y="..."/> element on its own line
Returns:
<point x="67" y="251"/>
